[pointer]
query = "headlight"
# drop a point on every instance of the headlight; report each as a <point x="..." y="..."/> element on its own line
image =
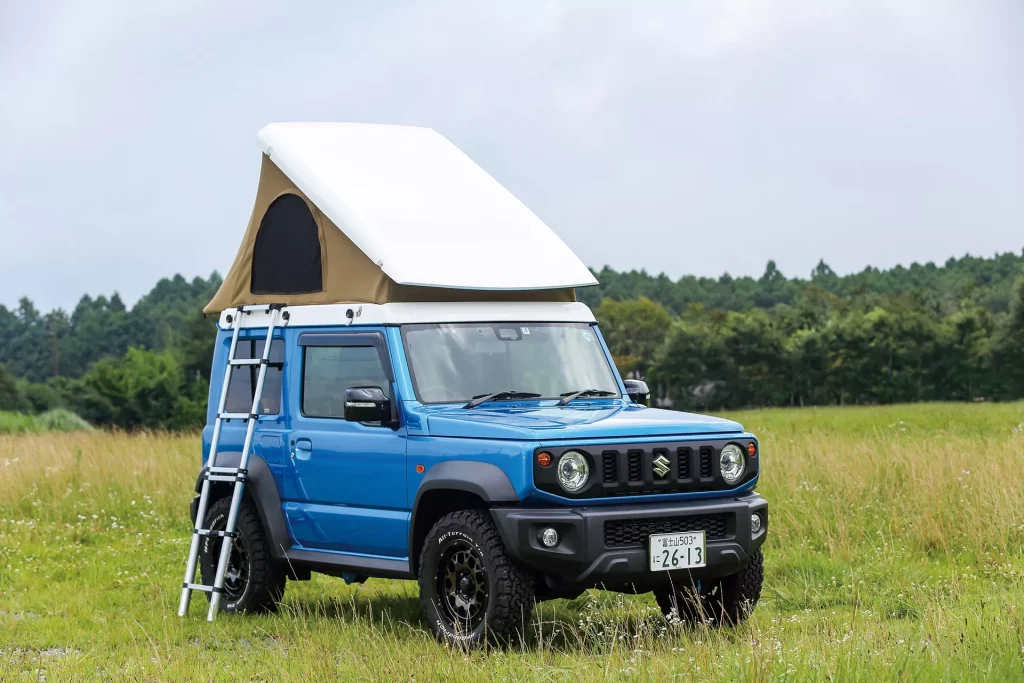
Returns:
<point x="573" y="471"/>
<point x="732" y="463"/>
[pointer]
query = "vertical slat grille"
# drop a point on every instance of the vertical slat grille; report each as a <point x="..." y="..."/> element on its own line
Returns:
<point x="635" y="471"/>
<point x="705" y="461"/>
<point x="630" y="469"/>
<point x="683" y="456"/>
<point x="611" y="466"/>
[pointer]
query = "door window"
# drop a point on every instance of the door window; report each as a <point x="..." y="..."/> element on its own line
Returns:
<point x="242" y="382"/>
<point x="327" y="371"/>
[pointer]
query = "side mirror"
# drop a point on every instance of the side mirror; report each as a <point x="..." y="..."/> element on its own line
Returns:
<point x="638" y="391"/>
<point x="367" y="404"/>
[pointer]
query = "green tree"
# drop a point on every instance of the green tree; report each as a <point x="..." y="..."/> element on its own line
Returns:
<point x="634" y="331"/>
<point x="145" y="389"/>
<point x="1009" y="355"/>
<point x="11" y="397"/>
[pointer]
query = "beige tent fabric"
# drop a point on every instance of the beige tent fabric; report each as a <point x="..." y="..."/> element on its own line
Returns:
<point x="349" y="276"/>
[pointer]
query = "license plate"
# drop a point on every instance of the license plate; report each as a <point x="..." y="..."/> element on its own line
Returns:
<point x="677" y="551"/>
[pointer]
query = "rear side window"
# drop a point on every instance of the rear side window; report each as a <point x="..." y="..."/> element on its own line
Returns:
<point x="327" y="371"/>
<point x="242" y="383"/>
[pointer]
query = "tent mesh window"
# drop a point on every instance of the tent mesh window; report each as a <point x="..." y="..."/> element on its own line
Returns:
<point x="286" y="253"/>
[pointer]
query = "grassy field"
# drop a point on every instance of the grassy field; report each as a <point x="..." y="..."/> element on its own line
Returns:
<point x="57" y="420"/>
<point x="894" y="553"/>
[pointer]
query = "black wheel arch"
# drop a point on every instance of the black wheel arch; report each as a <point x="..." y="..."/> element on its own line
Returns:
<point x="455" y="485"/>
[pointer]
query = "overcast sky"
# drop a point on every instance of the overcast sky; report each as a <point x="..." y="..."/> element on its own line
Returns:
<point x="685" y="137"/>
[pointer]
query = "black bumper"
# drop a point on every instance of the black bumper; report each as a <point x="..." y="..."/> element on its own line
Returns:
<point x="607" y="545"/>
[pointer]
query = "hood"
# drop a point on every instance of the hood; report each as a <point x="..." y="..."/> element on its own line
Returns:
<point x="596" y="421"/>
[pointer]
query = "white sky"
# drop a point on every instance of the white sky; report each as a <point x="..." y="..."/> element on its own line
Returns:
<point x="685" y="137"/>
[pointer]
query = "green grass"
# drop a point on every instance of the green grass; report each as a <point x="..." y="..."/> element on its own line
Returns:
<point x="56" y="420"/>
<point x="894" y="553"/>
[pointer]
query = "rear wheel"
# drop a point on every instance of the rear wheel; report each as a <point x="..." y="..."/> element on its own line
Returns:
<point x="470" y="591"/>
<point x="253" y="582"/>
<point x="728" y="600"/>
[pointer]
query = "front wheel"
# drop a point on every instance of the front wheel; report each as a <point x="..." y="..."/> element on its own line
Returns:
<point x="470" y="591"/>
<point x="728" y="600"/>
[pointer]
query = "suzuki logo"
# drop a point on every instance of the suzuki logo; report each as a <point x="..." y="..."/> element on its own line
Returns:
<point x="661" y="466"/>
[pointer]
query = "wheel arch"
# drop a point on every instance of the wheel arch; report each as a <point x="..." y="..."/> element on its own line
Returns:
<point x="455" y="485"/>
<point x="262" y="490"/>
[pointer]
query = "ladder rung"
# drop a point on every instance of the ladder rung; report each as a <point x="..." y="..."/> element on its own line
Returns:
<point x="201" y="587"/>
<point x="211" y="532"/>
<point x="247" y="361"/>
<point x="226" y="477"/>
<point x="226" y="470"/>
<point x="237" y="416"/>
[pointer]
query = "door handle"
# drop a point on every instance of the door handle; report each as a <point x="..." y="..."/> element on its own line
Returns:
<point x="303" y="449"/>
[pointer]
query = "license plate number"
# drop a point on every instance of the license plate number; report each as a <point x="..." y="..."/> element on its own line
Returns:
<point x="677" y="551"/>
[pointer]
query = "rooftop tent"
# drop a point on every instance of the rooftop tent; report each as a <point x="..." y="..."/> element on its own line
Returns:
<point x="377" y="214"/>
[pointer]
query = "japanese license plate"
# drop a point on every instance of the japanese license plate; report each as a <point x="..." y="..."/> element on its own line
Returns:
<point x="677" y="551"/>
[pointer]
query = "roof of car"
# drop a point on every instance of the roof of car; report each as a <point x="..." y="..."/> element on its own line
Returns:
<point x="421" y="209"/>
<point x="355" y="314"/>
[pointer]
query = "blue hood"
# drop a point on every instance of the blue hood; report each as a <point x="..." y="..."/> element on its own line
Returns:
<point x="583" y="421"/>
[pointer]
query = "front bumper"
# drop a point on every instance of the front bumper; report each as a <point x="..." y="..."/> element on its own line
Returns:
<point x="607" y="545"/>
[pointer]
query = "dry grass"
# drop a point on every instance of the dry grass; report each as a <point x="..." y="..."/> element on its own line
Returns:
<point x="894" y="553"/>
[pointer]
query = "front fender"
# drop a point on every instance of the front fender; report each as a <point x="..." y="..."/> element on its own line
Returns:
<point x="486" y="481"/>
<point x="483" y="479"/>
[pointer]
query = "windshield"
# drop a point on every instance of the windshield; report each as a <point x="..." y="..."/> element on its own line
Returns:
<point x="454" y="363"/>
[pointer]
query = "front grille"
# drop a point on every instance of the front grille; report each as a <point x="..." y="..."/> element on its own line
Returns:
<point x="684" y="454"/>
<point x="635" y="474"/>
<point x="634" y="533"/>
<point x="610" y="467"/>
<point x="705" y="461"/>
<point x="635" y="469"/>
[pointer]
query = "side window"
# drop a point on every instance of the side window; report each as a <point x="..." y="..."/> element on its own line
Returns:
<point x="327" y="371"/>
<point x="243" y="378"/>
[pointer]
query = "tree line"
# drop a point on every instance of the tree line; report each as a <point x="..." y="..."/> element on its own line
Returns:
<point x="144" y="367"/>
<point x="926" y="332"/>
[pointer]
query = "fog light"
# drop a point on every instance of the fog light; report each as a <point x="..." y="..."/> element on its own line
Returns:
<point x="549" y="537"/>
<point x="755" y="523"/>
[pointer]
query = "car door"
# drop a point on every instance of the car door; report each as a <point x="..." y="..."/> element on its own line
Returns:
<point x="348" y="484"/>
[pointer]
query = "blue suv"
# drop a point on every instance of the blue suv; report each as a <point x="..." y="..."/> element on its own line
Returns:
<point x="490" y="452"/>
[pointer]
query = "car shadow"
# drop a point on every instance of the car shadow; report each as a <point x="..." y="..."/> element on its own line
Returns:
<point x="588" y="625"/>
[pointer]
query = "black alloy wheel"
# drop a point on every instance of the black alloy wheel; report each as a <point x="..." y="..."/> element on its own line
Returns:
<point x="462" y="584"/>
<point x="237" y="574"/>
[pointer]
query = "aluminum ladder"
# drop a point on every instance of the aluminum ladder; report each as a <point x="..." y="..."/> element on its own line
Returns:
<point x="236" y="475"/>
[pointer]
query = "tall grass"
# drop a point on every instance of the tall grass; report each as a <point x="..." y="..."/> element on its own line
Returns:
<point x="894" y="553"/>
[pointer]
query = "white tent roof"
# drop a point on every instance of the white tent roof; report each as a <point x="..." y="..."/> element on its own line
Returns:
<point x="420" y="208"/>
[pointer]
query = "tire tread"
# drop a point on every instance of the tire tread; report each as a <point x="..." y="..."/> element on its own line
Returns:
<point x="512" y="597"/>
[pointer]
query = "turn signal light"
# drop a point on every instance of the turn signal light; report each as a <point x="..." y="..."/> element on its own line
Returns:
<point x="752" y="449"/>
<point x="544" y="459"/>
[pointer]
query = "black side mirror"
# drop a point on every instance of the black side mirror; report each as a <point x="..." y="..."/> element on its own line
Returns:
<point x="638" y="391"/>
<point x="367" y="404"/>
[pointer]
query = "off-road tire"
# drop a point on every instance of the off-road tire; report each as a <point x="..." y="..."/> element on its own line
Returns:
<point x="728" y="601"/>
<point x="510" y="593"/>
<point x="266" y="578"/>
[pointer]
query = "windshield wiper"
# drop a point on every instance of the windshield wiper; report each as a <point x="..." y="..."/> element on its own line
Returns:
<point x="498" y="396"/>
<point x="572" y="395"/>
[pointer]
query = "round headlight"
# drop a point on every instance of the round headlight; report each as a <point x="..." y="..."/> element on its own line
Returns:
<point x="732" y="463"/>
<point x="573" y="471"/>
